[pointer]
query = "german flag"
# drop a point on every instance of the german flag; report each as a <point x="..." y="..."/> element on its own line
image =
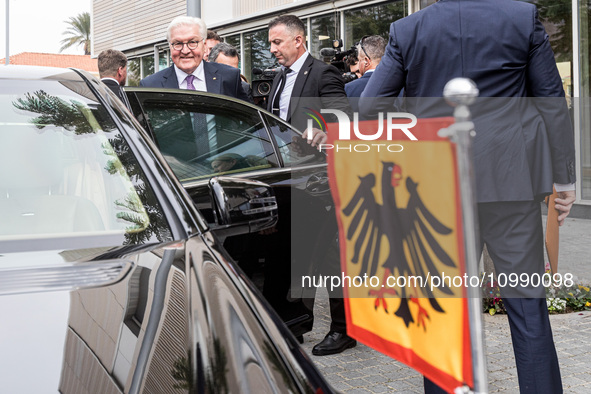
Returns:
<point x="399" y="212"/>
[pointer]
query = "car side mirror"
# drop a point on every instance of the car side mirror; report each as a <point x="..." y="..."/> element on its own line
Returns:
<point x="241" y="206"/>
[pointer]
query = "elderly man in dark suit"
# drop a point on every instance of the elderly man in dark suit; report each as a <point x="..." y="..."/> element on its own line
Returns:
<point x="522" y="146"/>
<point x="369" y="52"/>
<point x="112" y="65"/>
<point x="186" y="36"/>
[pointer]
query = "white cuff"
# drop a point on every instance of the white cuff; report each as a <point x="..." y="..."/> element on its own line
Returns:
<point x="564" y="187"/>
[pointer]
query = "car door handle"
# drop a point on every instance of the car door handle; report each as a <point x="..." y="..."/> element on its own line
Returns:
<point x="318" y="183"/>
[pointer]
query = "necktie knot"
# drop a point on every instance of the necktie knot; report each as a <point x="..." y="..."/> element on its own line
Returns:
<point x="189" y="80"/>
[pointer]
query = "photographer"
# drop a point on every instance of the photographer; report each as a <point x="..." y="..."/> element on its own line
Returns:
<point x="352" y="63"/>
<point x="370" y="50"/>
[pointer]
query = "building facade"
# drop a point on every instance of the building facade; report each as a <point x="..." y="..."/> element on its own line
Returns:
<point x="138" y="28"/>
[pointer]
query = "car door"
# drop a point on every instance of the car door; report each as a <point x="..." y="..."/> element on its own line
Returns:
<point x="194" y="130"/>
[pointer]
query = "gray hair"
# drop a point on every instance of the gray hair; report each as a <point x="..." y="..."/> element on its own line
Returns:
<point x="375" y="46"/>
<point x="224" y="48"/>
<point x="187" y="21"/>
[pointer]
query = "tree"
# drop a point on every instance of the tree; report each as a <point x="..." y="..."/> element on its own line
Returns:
<point x="79" y="32"/>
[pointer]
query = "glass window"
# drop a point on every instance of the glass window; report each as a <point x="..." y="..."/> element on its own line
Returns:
<point x="256" y="52"/>
<point x="147" y="65"/>
<point x="426" y="3"/>
<point x="133" y="72"/>
<point x="557" y="20"/>
<point x="294" y="150"/>
<point x="324" y="29"/>
<point x="163" y="60"/>
<point x="235" y="42"/>
<point x="200" y="136"/>
<point x="373" y="20"/>
<point x="79" y="178"/>
<point x="585" y="98"/>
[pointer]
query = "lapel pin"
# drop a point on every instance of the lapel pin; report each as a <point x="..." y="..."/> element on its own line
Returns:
<point x="214" y="78"/>
<point x="305" y="72"/>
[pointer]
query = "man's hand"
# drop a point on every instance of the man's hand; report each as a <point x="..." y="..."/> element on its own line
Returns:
<point x="563" y="204"/>
<point x="318" y="137"/>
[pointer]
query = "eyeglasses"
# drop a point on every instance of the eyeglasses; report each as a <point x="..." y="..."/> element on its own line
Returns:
<point x="178" y="46"/>
<point x="362" y="48"/>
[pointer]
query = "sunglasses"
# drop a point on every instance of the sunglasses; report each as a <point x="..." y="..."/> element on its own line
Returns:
<point x="362" y="48"/>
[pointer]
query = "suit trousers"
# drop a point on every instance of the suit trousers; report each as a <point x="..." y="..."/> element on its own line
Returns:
<point x="331" y="265"/>
<point x="512" y="232"/>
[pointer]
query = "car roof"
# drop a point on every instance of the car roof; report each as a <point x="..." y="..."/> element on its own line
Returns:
<point x="38" y="72"/>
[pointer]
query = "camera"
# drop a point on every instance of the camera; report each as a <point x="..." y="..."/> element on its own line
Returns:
<point x="339" y="58"/>
<point x="349" y="76"/>
<point x="262" y="86"/>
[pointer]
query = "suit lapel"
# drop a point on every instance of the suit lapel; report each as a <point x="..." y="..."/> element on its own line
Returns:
<point x="213" y="82"/>
<point x="300" y="82"/>
<point x="169" y="79"/>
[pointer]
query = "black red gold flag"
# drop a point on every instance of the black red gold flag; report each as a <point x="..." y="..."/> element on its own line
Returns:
<point x="399" y="212"/>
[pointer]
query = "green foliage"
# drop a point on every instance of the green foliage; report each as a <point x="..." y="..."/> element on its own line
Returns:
<point x="559" y="298"/>
<point x="55" y="111"/>
<point x="78" y="33"/>
<point x="577" y="297"/>
<point x="556" y="15"/>
<point x="134" y="212"/>
<point x="491" y="299"/>
<point x="183" y="373"/>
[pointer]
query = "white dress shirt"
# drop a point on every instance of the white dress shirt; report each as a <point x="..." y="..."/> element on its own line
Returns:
<point x="289" y="83"/>
<point x="198" y="82"/>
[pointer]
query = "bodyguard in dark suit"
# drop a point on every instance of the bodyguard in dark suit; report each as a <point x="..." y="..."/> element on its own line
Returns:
<point x="185" y="35"/>
<point x="309" y="83"/>
<point x="306" y="83"/>
<point x="521" y="146"/>
<point x="370" y="50"/>
<point x="112" y="65"/>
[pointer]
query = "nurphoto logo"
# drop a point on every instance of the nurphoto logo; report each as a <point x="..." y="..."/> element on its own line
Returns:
<point x="344" y="122"/>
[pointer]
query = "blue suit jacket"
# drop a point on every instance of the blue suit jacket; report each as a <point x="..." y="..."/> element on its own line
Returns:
<point x="355" y="88"/>
<point x="521" y="146"/>
<point x="219" y="78"/>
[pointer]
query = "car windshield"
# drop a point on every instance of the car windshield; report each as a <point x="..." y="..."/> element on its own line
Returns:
<point x="67" y="172"/>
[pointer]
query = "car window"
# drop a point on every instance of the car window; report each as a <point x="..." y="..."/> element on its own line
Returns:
<point x="200" y="136"/>
<point x="67" y="170"/>
<point x="294" y="150"/>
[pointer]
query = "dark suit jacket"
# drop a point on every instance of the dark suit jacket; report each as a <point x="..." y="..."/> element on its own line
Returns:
<point x="219" y="78"/>
<point x="318" y="85"/>
<point x="118" y="90"/>
<point x="521" y="146"/>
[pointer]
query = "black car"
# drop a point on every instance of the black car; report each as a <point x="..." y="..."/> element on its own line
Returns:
<point x="201" y="135"/>
<point x="110" y="279"/>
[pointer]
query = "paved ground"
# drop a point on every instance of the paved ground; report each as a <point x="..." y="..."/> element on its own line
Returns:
<point x="363" y="370"/>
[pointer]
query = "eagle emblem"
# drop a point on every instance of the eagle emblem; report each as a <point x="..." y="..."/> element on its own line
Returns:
<point x="409" y="232"/>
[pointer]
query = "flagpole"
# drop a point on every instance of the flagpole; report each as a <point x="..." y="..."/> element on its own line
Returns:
<point x="7" y="58"/>
<point x="461" y="92"/>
